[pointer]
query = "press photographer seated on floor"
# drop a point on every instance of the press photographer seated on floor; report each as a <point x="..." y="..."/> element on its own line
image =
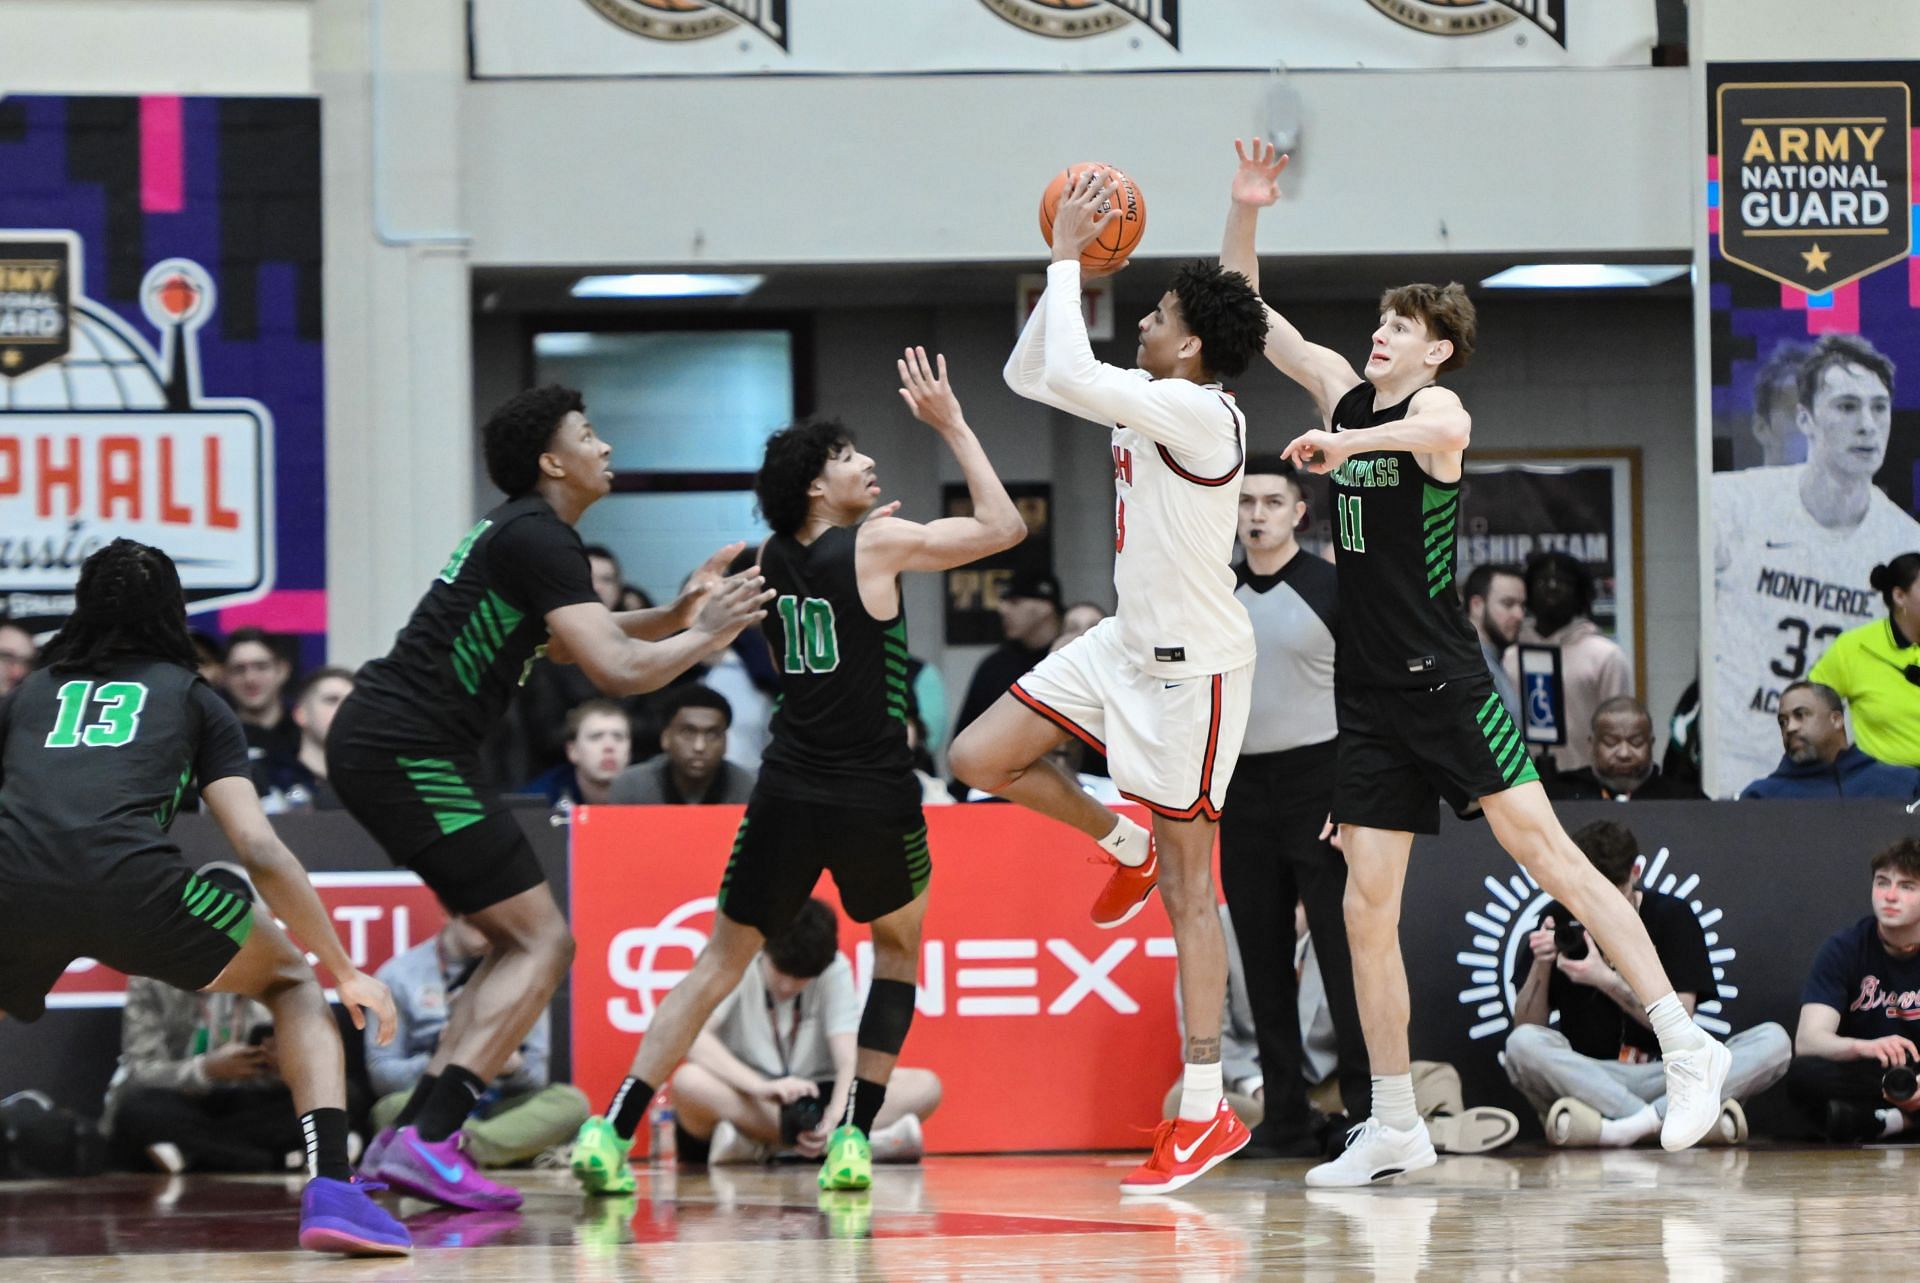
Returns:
<point x="771" y="1071"/>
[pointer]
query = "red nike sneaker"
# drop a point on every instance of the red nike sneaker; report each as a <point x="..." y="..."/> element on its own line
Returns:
<point x="1127" y="890"/>
<point x="1184" y="1151"/>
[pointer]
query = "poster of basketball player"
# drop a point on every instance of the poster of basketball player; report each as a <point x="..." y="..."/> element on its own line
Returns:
<point x="1814" y="365"/>
<point x="161" y="372"/>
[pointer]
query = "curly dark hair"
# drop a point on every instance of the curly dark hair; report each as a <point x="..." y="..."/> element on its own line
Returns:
<point x="795" y="456"/>
<point x="806" y="946"/>
<point x="1221" y="309"/>
<point x="519" y="433"/>
<point x="1609" y="847"/>
<point x="128" y="603"/>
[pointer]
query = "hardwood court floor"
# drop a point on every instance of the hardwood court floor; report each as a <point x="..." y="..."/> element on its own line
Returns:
<point x="1701" y="1217"/>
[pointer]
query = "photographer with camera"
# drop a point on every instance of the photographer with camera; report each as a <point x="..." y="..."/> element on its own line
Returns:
<point x="1597" y="1079"/>
<point x="1855" y="1056"/>
<point x="771" y="1071"/>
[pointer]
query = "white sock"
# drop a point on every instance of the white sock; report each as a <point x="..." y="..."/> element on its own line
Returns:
<point x="1128" y="843"/>
<point x="1393" y="1101"/>
<point x="1673" y="1026"/>
<point x="1618" y="1133"/>
<point x="1201" y="1088"/>
<point x="1892" y="1121"/>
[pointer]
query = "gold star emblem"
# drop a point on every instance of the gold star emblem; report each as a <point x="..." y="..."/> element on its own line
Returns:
<point x="1816" y="258"/>
<point x="12" y="358"/>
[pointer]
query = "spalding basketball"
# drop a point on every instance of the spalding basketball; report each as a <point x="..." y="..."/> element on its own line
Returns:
<point x="1121" y="236"/>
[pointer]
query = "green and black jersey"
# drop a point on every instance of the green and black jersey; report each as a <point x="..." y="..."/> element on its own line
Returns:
<point x="93" y="766"/>
<point x="839" y="733"/>
<point x="456" y="665"/>
<point x="1396" y="534"/>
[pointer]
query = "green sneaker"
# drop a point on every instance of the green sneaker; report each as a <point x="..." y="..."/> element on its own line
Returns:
<point x="600" y="1159"/>
<point x="848" y="1213"/>
<point x="849" y="1162"/>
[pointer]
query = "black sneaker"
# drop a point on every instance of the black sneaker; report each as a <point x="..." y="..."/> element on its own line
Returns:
<point x="1297" y="1142"/>
<point x="1851" y="1124"/>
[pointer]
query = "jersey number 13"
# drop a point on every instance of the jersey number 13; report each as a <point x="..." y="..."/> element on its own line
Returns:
<point x="119" y="720"/>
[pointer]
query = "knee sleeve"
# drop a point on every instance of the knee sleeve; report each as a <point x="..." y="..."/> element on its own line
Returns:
<point x="888" y="1015"/>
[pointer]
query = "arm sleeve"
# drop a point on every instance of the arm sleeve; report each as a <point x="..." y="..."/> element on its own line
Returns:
<point x="1026" y="368"/>
<point x="1197" y="425"/>
<point x="839" y="1007"/>
<point x="1831" y="981"/>
<point x="223" y="743"/>
<point x="541" y="564"/>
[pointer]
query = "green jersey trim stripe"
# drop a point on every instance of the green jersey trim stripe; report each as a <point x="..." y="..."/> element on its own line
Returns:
<point x="482" y="637"/>
<point x="726" y="879"/>
<point x="1439" y="511"/>
<point x="1503" y="741"/>
<point x="448" y="798"/>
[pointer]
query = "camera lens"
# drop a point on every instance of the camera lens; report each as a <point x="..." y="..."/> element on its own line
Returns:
<point x="1899" y="1083"/>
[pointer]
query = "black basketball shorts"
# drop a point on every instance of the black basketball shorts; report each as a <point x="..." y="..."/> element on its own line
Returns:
<point x="163" y="921"/>
<point x="1403" y="751"/>
<point x="878" y="858"/>
<point x="429" y="811"/>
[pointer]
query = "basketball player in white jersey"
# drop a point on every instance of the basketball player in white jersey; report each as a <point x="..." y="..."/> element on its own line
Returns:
<point x="1793" y="549"/>
<point x="1162" y="686"/>
<point x="1418" y="716"/>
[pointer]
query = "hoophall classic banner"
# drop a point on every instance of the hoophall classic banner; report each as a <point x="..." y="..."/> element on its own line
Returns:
<point x="160" y="352"/>
<point x="865" y="37"/>
<point x="1815" y="373"/>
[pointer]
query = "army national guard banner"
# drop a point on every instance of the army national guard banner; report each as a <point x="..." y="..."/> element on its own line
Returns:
<point x="869" y="37"/>
<point x="1813" y="377"/>
<point x="160" y="352"/>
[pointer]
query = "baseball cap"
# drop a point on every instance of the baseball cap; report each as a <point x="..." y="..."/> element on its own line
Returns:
<point x="1027" y="583"/>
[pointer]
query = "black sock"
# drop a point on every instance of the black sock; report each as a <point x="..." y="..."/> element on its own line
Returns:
<point x="411" y="1110"/>
<point x="326" y="1135"/>
<point x="453" y="1098"/>
<point x="629" y="1107"/>
<point x="863" y="1104"/>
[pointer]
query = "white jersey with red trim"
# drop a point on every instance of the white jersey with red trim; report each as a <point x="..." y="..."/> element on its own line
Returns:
<point x="1178" y="448"/>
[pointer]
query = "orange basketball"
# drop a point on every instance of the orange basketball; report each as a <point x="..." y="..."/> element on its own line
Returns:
<point x="1122" y="235"/>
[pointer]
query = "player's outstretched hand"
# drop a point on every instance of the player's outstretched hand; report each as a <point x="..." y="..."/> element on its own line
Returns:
<point x="361" y="993"/>
<point x="733" y="604"/>
<point x="927" y="393"/>
<point x="1316" y="451"/>
<point x="1257" y="181"/>
<point x="1084" y="212"/>
<point x="702" y="581"/>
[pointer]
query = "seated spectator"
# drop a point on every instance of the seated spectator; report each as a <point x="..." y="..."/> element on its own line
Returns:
<point x="301" y="784"/>
<point x="1598" y="1079"/>
<point x="521" y="1114"/>
<point x="1496" y="601"/>
<point x="1819" y="759"/>
<point x="1623" y="768"/>
<point x="1030" y="620"/>
<point x="1436" y="1086"/>
<point x="209" y="662"/>
<point x="772" y="1069"/>
<point x="1854" y="1053"/>
<point x="599" y="746"/>
<point x="1876" y="666"/>
<point x="1593" y="668"/>
<point x="691" y="767"/>
<point x="198" y="1087"/>
<point x="17" y="653"/>
<point x="256" y="676"/>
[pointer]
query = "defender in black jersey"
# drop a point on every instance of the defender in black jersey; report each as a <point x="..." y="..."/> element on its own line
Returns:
<point x="1419" y="718"/>
<point x="403" y="750"/>
<point x="836" y="790"/>
<point x="96" y="750"/>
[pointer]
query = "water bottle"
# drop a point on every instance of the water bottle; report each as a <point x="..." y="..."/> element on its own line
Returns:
<point x="660" y="1129"/>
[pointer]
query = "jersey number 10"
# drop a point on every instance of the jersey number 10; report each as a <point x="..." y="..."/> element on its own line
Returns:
<point x="812" y="646"/>
<point x="119" y="720"/>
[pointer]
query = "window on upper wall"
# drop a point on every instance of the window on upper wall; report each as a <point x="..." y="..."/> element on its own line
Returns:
<point x="687" y="409"/>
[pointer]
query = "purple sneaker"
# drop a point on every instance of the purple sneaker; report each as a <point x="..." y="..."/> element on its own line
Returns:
<point x="337" y="1216"/>
<point x="370" y="1161"/>
<point x="443" y="1172"/>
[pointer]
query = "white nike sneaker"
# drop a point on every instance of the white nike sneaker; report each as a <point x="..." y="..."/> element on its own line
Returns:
<point x="1375" y="1152"/>
<point x="729" y="1146"/>
<point x="900" y="1141"/>
<point x="1694" y="1081"/>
